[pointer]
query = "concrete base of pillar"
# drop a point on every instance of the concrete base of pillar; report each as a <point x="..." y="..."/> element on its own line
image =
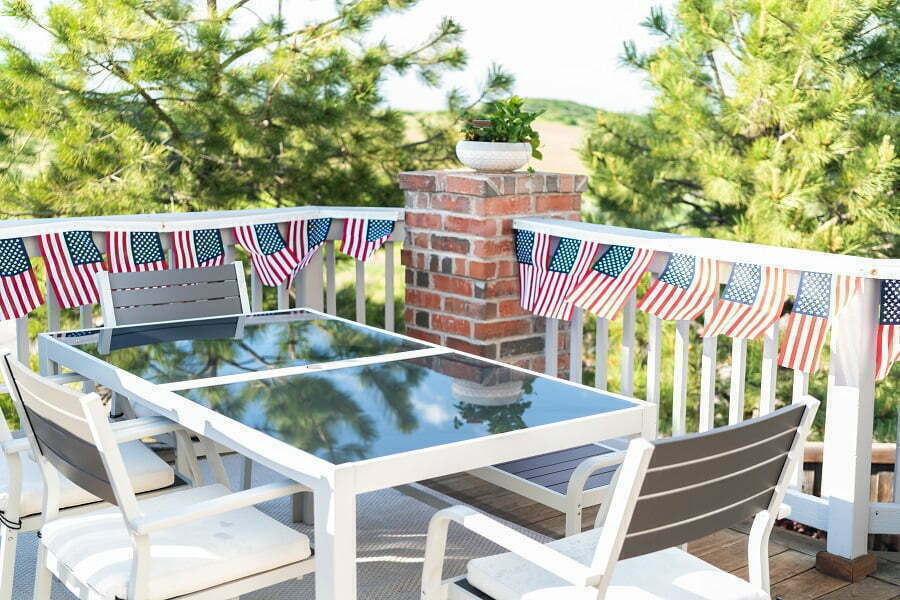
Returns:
<point x="848" y="569"/>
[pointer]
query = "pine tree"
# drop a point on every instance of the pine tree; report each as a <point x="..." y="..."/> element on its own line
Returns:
<point x="141" y="106"/>
<point x="775" y="121"/>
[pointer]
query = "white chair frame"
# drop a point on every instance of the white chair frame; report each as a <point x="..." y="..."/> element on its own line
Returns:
<point x="592" y="581"/>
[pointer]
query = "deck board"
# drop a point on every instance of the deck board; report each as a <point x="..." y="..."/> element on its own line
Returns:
<point x="792" y="555"/>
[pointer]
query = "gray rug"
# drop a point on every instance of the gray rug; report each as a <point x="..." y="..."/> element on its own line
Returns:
<point x="391" y="544"/>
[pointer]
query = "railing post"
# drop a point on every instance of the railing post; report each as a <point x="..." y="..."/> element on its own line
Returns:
<point x="462" y="285"/>
<point x="848" y="437"/>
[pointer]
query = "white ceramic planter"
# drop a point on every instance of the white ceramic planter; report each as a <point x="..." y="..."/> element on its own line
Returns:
<point x="493" y="156"/>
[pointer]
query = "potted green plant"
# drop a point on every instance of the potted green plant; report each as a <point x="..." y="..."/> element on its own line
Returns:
<point x="501" y="138"/>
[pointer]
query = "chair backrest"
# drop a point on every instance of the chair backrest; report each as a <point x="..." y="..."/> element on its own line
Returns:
<point x="701" y="483"/>
<point x="63" y="427"/>
<point x="151" y="296"/>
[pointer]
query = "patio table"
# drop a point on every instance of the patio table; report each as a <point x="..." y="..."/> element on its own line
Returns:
<point x="341" y="407"/>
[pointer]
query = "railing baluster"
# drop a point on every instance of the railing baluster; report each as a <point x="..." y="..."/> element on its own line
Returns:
<point x="601" y="354"/>
<point x="308" y="284"/>
<point x="23" y="345"/>
<point x="551" y="348"/>
<point x="769" y="379"/>
<point x="680" y="377"/>
<point x="53" y="324"/>
<point x="629" y="345"/>
<point x="738" y="377"/>
<point x="576" y="336"/>
<point x="283" y="296"/>
<point x="896" y="491"/>
<point x="256" y="291"/>
<point x="360" y="291"/>
<point x="86" y="318"/>
<point x="654" y="358"/>
<point x="331" y="277"/>
<point x="389" y="286"/>
<point x="708" y="378"/>
<point x="799" y="390"/>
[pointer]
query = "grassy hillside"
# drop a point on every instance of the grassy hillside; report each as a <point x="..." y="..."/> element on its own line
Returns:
<point x="566" y="112"/>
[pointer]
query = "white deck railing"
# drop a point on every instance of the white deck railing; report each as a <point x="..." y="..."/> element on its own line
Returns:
<point x="844" y="509"/>
<point x="315" y="286"/>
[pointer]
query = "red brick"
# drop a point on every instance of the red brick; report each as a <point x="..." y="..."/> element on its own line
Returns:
<point x="452" y="285"/>
<point x="474" y="310"/>
<point x="459" y="266"/>
<point x="492" y="248"/>
<point x="406" y="258"/>
<point x="558" y="202"/>
<point x="451" y="203"/>
<point x="423" y="299"/>
<point x="479" y="227"/>
<point x="511" y="308"/>
<point x="506" y="268"/>
<point x="501" y="329"/>
<point x="450" y="244"/>
<point x="485" y="350"/>
<point x="417" y="181"/>
<point x="482" y="270"/>
<point x="451" y="324"/>
<point x="500" y="288"/>
<point x="420" y="240"/>
<point x="506" y="226"/>
<point x="504" y="205"/>
<point x="422" y="335"/>
<point x="566" y="183"/>
<point x="423" y="219"/>
<point x="467" y="185"/>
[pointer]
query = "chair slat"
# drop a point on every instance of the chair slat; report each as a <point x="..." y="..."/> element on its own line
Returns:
<point x="178" y="310"/>
<point x="175" y="293"/>
<point x="171" y="277"/>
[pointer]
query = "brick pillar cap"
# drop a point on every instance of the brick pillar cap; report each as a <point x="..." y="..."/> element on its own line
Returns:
<point x="476" y="183"/>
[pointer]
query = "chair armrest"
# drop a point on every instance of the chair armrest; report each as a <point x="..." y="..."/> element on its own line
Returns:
<point x="589" y="466"/>
<point x="124" y="431"/>
<point x="16" y="445"/>
<point x="531" y="550"/>
<point x="784" y="511"/>
<point x="147" y="524"/>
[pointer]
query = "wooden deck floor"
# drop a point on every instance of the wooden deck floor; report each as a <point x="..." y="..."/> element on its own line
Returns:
<point x="792" y="555"/>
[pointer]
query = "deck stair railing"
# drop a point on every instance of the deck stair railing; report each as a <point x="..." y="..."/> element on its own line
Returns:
<point x="844" y="510"/>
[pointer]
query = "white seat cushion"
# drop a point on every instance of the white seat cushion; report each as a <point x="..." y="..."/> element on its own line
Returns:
<point x="147" y="471"/>
<point x="669" y="574"/>
<point x="95" y="549"/>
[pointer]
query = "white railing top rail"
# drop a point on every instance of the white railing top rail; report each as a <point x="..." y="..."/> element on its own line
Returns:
<point x="725" y="250"/>
<point x="191" y="220"/>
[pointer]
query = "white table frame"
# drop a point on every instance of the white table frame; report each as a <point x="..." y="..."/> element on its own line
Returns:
<point x="336" y="487"/>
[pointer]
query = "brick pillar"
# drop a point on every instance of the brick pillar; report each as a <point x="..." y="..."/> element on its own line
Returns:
<point x="462" y="286"/>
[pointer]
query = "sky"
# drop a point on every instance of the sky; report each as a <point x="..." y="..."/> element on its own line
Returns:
<point x="564" y="49"/>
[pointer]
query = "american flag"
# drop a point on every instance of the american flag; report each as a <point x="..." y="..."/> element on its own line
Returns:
<point x="305" y="237"/>
<point x="819" y="297"/>
<point x="532" y="252"/>
<point x="72" y="260"/>
<point x="130" y="251"/>
<point x="197" y="248"/>
<point x="686" y="286"/>
<point x="362" y="237"/>
<point x="19" y="292"/>
<point x="887" y="347"/>
<point x="272" y="260"/>
<point x="612" y="278"/>
<point x="570" y="261"/>
<point x="751" y="303"/>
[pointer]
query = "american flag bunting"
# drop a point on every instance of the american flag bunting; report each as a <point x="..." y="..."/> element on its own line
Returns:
<point x="197" y="248"/>
<point x="686" y="286"/>
<point x="887" y="344"/>
<point x="615" y="274"/>
<point x="272" y="260"/>
<point x="570" y="261"/>
<point x="130" y="251"/>
<point x="751" y="303"/>
<point x="532" y="254"/>
<point x="19" y="291"/>
<point x="72" y="260"/>
<point x="362" y="237"/>
<point x="305" y="237"/>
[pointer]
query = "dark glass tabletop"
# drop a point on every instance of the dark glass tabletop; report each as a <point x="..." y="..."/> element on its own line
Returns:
<point x="379" y="409"/>
<point x="186" y="350"/>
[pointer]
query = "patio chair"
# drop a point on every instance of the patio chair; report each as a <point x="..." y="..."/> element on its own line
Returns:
<point x="196" y="543"/>
<point x="21" y="484"/>
<point x="155" y="296"/>
<point x="666" y="493"/>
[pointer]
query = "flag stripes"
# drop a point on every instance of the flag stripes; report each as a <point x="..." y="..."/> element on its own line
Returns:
<point x="19" y="291"/>
<point x="570" y="261"/>
<point x="72" y="260"/>
<point x="197" y="248"/>
<point x="305" y="237"/>
<point x="686" y="286"/>
<point x="362" y="237"/>
<point x="751" y="303"/>
<point x="887" y="344"/>
<point x="272" y="260"/>
<point x="135" y="251"/>
<point x="532" y="255"/>
<point x="615" y="274"/>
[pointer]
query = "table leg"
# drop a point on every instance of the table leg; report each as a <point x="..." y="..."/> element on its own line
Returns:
<point x="303" y="508"/>
<point x="335" y="539"/>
